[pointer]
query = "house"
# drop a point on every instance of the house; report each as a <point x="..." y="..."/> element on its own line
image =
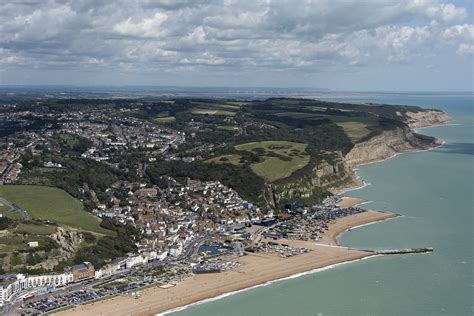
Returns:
<point x="81" y="271"/>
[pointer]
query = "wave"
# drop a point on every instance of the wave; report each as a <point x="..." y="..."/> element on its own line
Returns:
<point x="294" y="276"/>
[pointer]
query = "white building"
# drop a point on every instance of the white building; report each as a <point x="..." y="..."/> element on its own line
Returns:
<point x="135" y="260"/>
<point x="12" y="284"/>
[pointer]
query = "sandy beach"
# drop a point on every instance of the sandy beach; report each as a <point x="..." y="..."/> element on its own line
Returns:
<point x="255" y="269"/>
<point x="348" y="201"/>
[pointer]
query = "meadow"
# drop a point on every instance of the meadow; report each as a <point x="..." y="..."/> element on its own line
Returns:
<point x="53" y="204"/>
<point x="280" y="158"/>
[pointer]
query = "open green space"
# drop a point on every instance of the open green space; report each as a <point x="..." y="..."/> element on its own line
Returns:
<point x="355" y="130"/>
<point x="165" y="119"/>
<point x="280" y="158"/>
<point x="14" y="243"/>
<point x="35" y="229"/>
<point x="48" y="203"/>
<point x="206" y="111"/>
<point x="228" y="127"/>
<point x="232" y="159"/>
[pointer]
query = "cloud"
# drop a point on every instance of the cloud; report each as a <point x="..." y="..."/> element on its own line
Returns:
<point x="462" y="36"/>
<point x="147" y="27"/>
<point x="231" y="36"/>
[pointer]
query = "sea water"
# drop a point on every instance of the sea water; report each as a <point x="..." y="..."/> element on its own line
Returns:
<point x="433" y="190"/>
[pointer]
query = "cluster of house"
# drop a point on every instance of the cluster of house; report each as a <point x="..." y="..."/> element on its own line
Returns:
<point x="171" y="218"/>
<point x="283" y="250"/>
<point x="10" y="168"/>
<point x="113" y="134"/>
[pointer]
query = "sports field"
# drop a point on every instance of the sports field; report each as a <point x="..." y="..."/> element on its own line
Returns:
<point x="280" y="158"/>
<point x="48" y="203"/>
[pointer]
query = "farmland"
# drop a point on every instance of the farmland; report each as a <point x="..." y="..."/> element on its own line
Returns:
<point x="280" y="158"/>
<point x="53" y="204"/>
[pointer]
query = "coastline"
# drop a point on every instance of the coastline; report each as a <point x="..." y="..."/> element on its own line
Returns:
<point x="256" y="270"/>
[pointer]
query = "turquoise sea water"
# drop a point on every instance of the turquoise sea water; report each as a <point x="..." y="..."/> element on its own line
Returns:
<point x="434" y="191"/>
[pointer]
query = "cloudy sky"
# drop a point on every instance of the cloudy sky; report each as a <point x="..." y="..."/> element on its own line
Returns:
<point x="342" y="45"/>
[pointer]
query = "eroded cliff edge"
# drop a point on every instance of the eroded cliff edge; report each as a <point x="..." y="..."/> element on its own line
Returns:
<point x="336" y="173"/>
<point x="401" y="139"/>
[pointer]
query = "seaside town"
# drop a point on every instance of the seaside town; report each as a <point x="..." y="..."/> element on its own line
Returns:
<point x="179" y="239"/>
<point x="99" y="201"/>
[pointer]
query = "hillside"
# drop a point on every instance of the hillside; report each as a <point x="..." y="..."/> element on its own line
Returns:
<point x="333" y="137"/>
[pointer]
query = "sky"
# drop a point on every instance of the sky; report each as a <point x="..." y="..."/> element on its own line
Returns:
<point x="413" y="45"/>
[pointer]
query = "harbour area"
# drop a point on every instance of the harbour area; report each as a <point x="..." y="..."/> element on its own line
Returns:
<point x="252" y="268"/>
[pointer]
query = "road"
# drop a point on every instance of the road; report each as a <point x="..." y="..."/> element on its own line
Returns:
<point x="15" y="208"/>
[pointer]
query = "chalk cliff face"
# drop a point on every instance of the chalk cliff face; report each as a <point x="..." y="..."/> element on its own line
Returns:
<point x="309" y="186"/>
<point x="337" y="174"/>
<point x="387" y="144"/>
<point x="426" y="118"/>
<point x="401" y="139"/>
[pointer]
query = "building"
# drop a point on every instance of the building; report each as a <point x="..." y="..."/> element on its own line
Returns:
<point x="151" y="192"/>
<point x="81" y="271"/>
<point x="11" y="284"/>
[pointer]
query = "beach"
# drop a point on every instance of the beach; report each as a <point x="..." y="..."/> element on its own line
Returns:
<point x="255" y="269"/>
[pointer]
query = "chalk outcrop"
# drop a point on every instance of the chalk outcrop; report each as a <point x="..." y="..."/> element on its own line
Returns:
<point x="388" y="144"/>
<point x="426" y="118"/>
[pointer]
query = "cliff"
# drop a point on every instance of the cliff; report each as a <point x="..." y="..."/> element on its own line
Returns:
<point x="398" y="140"/>
<point x="336" y="173"/>
<point x="426" y="118"/>
<point x="388" y="144"/>
<point x="310" y="185"/>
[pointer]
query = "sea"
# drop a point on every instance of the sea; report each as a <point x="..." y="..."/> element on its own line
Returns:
<point x="433" y="191"/>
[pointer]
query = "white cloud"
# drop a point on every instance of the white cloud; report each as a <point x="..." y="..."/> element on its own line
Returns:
<point x="302" y="36"/>
<point x="462" y="36"/>
<point x="148" y="27"/>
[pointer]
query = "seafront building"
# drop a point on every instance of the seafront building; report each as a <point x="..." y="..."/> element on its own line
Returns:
<point x="12" y="284"/>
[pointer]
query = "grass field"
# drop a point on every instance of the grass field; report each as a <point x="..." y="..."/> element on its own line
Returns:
<point x="280" y="158"/>
<point x="165" y="119"/>
<point x="203" y="111"/>
<point x="355" y="130"/>
<point x="35" y="229"/>
<point x="12" y="243"/>
<point x="52" y="204"/>
<point x="232" y="159"/>
<point x="228" y="127"/>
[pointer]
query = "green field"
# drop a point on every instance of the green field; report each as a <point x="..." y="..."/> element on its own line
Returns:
<point x="48" y="203"/>
<point x="232" y="159"/>
<point x="165" y="119"/>
<point x="355" y="130"/>
<point x="231" y="128"/>
<point x="13" y="243"/>
<point x="280" y="158"/>
<point x="203" y="111"/>
<point x="35" y="229"/>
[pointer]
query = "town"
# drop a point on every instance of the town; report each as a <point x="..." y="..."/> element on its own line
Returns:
<point x="108" y="197"/>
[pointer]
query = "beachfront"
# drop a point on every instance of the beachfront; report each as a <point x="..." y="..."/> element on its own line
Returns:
<point x="255" y="269"/>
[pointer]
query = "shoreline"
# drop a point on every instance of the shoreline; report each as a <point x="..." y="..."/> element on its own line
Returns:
<point x="360" y="183"/>
<point x="256" y="270"/>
